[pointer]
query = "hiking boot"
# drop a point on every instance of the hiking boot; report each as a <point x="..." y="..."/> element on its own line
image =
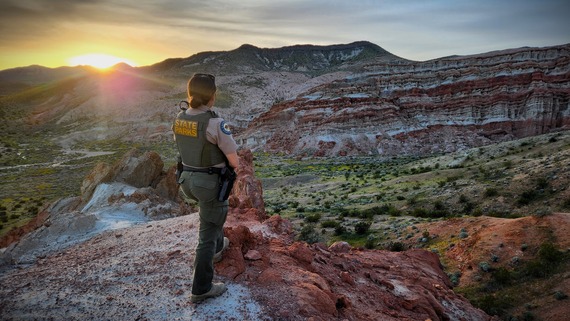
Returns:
<point x="218" y="255"/>
<point x="216" y="290"/>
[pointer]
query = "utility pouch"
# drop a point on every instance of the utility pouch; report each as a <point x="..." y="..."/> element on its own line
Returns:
<point x="227" y="178"/>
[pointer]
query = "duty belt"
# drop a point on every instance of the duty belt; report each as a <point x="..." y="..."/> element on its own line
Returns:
<point x="209" y="170"/>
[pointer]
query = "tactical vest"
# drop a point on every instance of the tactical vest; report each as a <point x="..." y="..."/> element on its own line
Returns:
<point x="192" y="142"/>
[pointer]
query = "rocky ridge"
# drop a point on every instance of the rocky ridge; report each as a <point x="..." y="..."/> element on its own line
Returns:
<point x="144" y="270"/>
<point x="309" y="100"/>
<point x="418" y="108"/>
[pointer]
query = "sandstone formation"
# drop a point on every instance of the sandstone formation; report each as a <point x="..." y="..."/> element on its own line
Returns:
<point x="398" y="107"/>
<point x="144" y="271"/>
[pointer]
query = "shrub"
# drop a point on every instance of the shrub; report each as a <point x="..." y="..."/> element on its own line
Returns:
<point x="455" y="277"/>
<point x="502" y="276"/>
<point x="397" y="247"/>
<point x="362" y="227"/>
<point x="485" y="267"/>
<point x="531" y="195"/>
<point x="330" y="224"/>
<point x="370" y="242"/>
<point x="468" y="207"/>
<point x="549" y="254"/>
<point x="566" y="203"/>
<point x="490" y="192"/>
<point x="339" y="230"/>
<point x="527" y="197"/>
<point x="559" y="295"/>
<point x="313" y="218"/>
<point x="309" y="234"/>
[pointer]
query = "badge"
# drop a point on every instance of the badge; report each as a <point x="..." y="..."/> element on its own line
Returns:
<point x="225" y="128"/>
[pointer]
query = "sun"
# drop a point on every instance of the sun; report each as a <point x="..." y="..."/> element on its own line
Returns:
<point x="101" y="61"/>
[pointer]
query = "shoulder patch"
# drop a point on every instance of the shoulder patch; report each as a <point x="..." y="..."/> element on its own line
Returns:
<point x="225" y="128"/>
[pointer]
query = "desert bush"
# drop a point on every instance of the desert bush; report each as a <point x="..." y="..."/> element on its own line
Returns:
<point x="339" y="230"/>
<point x="468" y="207"/>
<point x="490" y="192"/>
<point x="485" y="266"/>
<point x="330" y="224"/>
<point x="527" y="197"/>
<point x="540" y="190"/>
<point x="559" y="295"/>
<point x="548" y="253"/>
<point x="455" y="277"/>
<point x="502" y="276"/>
<point x="309" y="234"/>
<point x="370" y="242"/>
<point x="362" y="227"/>
<point x="397" y="247"/>
<point x="313" y="218"/>
<point x="566" y="203"/>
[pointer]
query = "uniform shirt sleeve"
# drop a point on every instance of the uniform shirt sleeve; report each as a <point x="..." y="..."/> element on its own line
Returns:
<point x="219" y="133"/>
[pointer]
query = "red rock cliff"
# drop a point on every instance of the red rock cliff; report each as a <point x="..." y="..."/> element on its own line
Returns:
<point x="441" y="105"/>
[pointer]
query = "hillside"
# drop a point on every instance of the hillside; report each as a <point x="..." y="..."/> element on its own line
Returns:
<point x="103" y="256"/>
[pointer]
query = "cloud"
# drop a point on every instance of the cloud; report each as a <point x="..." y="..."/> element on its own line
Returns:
<point x="414" y="29"/>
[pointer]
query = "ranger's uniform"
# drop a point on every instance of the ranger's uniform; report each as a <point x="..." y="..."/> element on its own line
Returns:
<point x="203" y="140"/>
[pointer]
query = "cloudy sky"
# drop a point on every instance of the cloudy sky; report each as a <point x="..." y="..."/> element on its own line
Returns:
<point x="50" y="32"/>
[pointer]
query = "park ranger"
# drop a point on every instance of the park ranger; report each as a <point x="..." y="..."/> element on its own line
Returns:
<point x="207" y="150"/>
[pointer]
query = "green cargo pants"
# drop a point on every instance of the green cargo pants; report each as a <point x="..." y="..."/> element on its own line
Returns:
<point x="204" y="188"/>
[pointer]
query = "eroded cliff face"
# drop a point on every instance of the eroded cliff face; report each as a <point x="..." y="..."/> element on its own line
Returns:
<point x="418" y="108"/>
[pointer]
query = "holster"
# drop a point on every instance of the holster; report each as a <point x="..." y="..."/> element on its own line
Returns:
<point x="227" y="178"/>
<point x="179" y="169"/>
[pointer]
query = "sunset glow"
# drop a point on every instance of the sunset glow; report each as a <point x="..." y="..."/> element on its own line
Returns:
<point x="49" y="32"/>
<point x="100" y="61"/>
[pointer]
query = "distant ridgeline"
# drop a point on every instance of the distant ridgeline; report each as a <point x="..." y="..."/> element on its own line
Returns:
<point x="353" y="99"/>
